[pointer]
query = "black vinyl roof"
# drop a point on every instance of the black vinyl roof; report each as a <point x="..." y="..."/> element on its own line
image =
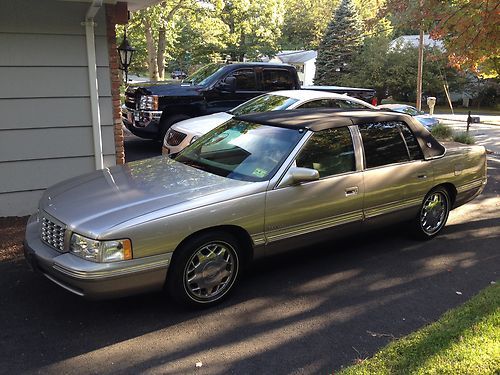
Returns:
<point x="318" y="119"/>
<point x="327" y="118"/>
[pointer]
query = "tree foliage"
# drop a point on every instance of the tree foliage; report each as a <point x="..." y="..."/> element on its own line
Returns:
<point x="393" y="72"/>
<point x="254" y="27"/>
<point x="470" y="29"/>
<point x="341" y="41"/>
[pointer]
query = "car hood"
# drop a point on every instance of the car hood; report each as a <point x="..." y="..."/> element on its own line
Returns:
<point x="96" y="202"/>
<point x="203" y="124"/>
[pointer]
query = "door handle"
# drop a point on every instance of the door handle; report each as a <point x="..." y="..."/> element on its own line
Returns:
<point x="351" y="191"/>
<point x="422" y="176"/>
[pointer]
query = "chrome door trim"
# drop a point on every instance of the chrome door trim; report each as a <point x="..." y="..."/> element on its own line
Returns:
<point x="313" y="226"/>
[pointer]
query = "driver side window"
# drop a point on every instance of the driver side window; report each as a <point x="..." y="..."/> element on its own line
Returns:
<point x="245" y="80"/>
<point x="330" y="152"/>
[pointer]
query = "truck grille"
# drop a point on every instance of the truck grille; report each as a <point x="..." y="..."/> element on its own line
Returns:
<point x="52" y="233"/>
<point x="130" y="101"/>
<point x="174" y="138"/>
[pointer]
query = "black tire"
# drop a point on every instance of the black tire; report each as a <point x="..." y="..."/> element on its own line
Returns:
<point x="433" y="214"/>
<point x="218" y="256"/>
<point x="167" y="122"/>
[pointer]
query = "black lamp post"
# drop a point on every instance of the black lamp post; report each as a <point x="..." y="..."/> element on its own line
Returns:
<point x="125" y="51"/>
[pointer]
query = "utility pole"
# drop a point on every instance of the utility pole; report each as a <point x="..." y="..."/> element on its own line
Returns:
<point x="420" y="58"/>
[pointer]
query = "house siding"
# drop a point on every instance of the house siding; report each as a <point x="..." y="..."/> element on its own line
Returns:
<point x="45" y="127"/>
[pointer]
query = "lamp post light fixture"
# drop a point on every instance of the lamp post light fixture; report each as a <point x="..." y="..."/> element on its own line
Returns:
<point x="125" y="51"/>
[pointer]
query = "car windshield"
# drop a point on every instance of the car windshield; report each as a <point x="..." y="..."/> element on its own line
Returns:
<point x="263" y="103"/>
<point x="204" y="75"/>
<point x="241" y="150"/>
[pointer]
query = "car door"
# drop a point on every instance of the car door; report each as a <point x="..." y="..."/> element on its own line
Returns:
<point x="396" y="177"/>
<point x="220" y="100"/>
<point x="307" y="212"/>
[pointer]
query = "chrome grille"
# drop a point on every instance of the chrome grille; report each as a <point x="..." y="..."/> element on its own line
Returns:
<point x="130" y="98"/>
<point x="174" y="138"/>
<point x="52" y="233"/>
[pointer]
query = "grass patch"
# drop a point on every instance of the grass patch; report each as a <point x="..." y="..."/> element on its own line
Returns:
<point x="465" y="340"/>
<point x="441" y="131"/>
<point x="464" y="137"/>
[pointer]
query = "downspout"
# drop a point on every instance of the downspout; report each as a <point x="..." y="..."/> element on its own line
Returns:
<point x="93" y="85"/>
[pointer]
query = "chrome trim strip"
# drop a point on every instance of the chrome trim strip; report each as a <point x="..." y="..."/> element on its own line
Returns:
<point x="391" y="207"/>
<point x="470" y="186"/>
<point x="297" y="230"/>
<point x="62" y="285"/>
<point x="125" y="269"/>
<point x="258" y="239"/>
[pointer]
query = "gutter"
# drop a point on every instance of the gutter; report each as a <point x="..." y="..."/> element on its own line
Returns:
<point x="93" y="84"/>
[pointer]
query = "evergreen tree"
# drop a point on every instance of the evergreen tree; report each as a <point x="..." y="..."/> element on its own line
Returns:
<point x="341" y="41"/>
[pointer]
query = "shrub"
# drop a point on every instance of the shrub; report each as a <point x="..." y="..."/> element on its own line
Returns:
<point x="464" y="137"/>
<point x="442" y="131"/>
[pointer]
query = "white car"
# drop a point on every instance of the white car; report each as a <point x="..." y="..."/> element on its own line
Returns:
<point x="183" y="133"/>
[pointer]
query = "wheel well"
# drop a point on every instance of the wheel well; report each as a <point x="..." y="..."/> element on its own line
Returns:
<point x="452" y="190"/>
<point x="241" y="235"/>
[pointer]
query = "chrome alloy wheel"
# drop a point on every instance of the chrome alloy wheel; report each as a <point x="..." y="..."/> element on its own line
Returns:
<point x="434" y="212"/>
<point x="211" y="271"/>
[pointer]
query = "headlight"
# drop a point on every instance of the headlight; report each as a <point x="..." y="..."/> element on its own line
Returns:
<point x="100" y="251"/>
<point x="195" y="137"/>
<point x="149" y="102"/>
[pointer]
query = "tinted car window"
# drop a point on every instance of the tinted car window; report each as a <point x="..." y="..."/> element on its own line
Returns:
<point x="277" y="79"/>
<point x="333" y="103"/>
<point x="383" y="144"/>
<point x="329" y="151"/>
<point x="245" y="80"/>
<point x="411" y="142"/>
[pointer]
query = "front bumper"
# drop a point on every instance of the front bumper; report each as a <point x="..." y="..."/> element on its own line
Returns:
<point x="144" y="124"/>
<point x="94" y="280"/>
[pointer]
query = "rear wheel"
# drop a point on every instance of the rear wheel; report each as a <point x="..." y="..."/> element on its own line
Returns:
<point x="433" y="213"/>
<point x="204" y="269"/>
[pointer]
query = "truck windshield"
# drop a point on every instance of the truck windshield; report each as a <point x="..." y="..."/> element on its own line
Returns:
<point x="203" y="76"/>
<point x="263" y="103"/>
<point x="241" y="150"/>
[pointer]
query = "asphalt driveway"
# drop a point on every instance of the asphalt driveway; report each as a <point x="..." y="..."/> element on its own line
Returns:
<point x="311" y="311"/>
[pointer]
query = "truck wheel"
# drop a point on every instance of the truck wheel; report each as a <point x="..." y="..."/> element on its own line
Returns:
<point x="204" y="269"/>
<point x="166" y="123"/>
<point x="433" y="213"/>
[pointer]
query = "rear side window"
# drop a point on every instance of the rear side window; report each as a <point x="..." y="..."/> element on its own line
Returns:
<point x="411" y="142"/>
<point x="383" y="144"/>
<point x="245" y="80"/>
<point x="330" y="152"/>
<point x="277" y="79"/>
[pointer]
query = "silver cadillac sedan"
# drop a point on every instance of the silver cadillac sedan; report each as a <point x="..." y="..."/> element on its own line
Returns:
<point x="256" y="185"/>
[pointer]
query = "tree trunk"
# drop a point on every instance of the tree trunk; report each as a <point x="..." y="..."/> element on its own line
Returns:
<point x="160" y="56"/>
<point x="152" y="66"/>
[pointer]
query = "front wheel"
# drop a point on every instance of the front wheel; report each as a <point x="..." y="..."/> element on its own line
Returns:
<point x="204" y="269"/>
<point x="433" y="213"/>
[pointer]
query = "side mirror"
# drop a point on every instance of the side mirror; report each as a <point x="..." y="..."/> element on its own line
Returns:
<point x="228" y="84"/>
<point x="296" y="175"/>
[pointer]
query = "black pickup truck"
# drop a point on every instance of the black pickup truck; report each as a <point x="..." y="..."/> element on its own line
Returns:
<point x="151" y="108"/>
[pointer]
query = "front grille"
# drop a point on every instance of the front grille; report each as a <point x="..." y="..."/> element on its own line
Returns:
<point x="174" y="138"/>
<point x="130" y="98"/>
<point x="52" y="233"/>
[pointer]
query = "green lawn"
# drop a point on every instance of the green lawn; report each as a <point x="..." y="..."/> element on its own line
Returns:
<point x="465" y="340"/>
